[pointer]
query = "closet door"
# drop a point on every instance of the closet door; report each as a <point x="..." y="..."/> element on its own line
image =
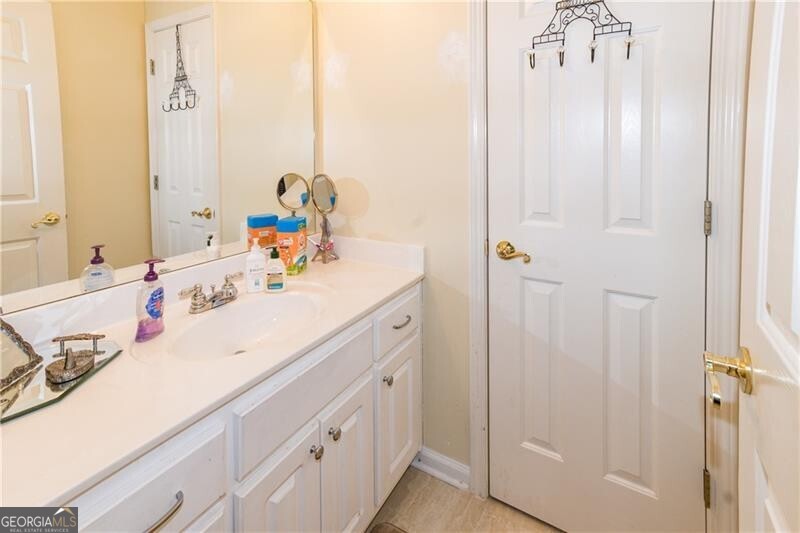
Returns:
<point x="597" y="163"/>
<point x="347" y="468"/>
<point x="283" y="494"/>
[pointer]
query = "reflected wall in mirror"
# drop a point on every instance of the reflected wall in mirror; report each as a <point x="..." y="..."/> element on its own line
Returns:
<point x="93" y="152"/>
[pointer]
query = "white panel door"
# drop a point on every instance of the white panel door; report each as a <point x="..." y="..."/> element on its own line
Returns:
<point x="598" y="171"/>
<point x="769" y="418"/>
<point x="183" y="143"/>
<point x="398" y="415"/>
<point x="32" y="175"/>
<point x="347" y="467"/>
<point x="284" y="493"/>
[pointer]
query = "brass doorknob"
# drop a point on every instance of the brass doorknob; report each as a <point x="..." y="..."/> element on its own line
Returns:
<point x="206" y="213"/>
<point x="49" y="219"/>
<point x="740" y="368"/>
<point x="506" y="251"/>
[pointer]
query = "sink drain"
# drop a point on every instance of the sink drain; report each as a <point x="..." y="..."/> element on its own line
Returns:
<point x="237" y="352"/>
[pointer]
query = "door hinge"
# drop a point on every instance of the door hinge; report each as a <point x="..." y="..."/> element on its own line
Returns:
<point x="707" y="488"/>
<point x="155" y="182"/>
<point x="707" y="218"/>
<point x="152" y="67"/>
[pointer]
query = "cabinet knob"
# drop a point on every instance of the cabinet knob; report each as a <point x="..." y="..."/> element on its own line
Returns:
<point x="335" y="433"/>
<point x="389" y="380"/>
<point x="317" y="451"/>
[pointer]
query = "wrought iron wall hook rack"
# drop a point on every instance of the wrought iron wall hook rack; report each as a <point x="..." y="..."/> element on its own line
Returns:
<point x="181" y="82"/>
<point x="568" y="11"/>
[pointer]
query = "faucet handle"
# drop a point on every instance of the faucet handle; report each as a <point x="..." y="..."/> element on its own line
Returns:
<point x="233" y="277"/>
<point x="195" y="291"/>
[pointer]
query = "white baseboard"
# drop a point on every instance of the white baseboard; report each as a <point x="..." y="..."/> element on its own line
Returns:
<point x="443" y="468"/>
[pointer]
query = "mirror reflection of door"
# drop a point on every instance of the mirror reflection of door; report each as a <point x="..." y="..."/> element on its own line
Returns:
<point x="183" y="143"/>
<point x="32" y="177"/>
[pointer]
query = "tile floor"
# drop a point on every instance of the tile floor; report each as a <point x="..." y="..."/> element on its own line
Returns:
<point x="422" y="503"/>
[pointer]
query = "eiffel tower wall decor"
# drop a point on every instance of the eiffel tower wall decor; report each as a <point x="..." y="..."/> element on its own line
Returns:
<point x="181" y="82"/>
<point x="568" y="11"/>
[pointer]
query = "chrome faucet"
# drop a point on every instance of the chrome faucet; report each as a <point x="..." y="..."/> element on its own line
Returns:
<point x="202" y="302"/>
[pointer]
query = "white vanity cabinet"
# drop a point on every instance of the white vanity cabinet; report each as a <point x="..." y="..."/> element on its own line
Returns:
<point x="317" y="446"/>
<point x="398" y="435"/>
<point x="284" y="494"/>
<point x="347" y="467"/>
<point x="322" y="477"/>
<point x="177" y="482"/>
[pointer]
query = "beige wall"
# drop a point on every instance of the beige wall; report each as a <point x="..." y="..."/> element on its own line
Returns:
<point x="100" y="53"/>
<point x="395" y="133"/>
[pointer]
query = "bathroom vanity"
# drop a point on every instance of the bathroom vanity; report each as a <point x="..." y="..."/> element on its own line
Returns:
<point x="298" y="411"/>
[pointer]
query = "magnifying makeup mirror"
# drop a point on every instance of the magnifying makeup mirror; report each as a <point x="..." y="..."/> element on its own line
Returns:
<point x="324" y="196"/>
<point x="293" y="193"/>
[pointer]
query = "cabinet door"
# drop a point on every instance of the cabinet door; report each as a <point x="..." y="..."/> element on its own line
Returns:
<point x="398" y="414"/>
<point x="283" y="494"/>
<point x="347" y="468"/>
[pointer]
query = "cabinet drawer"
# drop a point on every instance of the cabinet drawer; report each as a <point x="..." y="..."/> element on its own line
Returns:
<point x="212" y="521"/>
<point x="275" y="410"/>
<point x="138" y="496"/>
<point x="398" y="320"/>
<point x="398" y="415"/>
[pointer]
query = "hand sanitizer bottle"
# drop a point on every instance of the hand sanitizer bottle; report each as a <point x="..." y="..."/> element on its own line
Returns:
<point x="150" y="304"/>
<point x="276" y="273"/>
<point x="255" y="268"/>
<point x="98" y="274"/>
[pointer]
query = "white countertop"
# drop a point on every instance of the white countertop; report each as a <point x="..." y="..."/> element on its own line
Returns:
<point x="131" y="406"/>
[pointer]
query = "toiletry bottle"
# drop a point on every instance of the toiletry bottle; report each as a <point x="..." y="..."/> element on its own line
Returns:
<point x="212" y="245"/>
<point x="276" y="273"/>
<point x="255" y="268"/>
<point x="98" y="273"/>
<point x="150" y="304"/>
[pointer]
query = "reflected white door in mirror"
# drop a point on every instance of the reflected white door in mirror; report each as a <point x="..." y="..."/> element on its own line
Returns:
<point x="184" y="195"/>
<point x="33" y="250"/>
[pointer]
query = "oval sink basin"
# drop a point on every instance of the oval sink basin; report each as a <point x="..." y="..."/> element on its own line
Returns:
<point x="249" y="323"/>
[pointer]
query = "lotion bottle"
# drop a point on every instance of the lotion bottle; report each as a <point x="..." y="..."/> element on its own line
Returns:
<point x="150" y="304"/>
<point x="255" y="268"/>
<point x="276" y="273"/>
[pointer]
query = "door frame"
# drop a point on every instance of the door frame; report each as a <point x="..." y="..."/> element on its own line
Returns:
<point x="730" y="42"/>
<point x="150" y="28"/>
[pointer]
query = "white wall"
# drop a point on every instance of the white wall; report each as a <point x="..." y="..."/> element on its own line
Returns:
<point x="393" y="97"/>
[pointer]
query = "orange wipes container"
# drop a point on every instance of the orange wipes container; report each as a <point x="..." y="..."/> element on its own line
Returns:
<point x="292" y="244"/>
<point x="264" y="228"/>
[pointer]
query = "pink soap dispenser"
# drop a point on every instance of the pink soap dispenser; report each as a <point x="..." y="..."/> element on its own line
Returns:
<point x="150" y="304"/>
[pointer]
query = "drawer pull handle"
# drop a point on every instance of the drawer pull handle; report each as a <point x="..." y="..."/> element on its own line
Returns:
<point x="168" y="516"/>
<point x="389" y="380"/>
<point x="317" y="451"/>
<point x="406" y="322"/>
<point x="336" y="433"/>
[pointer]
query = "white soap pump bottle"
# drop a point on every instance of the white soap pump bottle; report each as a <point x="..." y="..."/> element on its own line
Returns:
<point x="255" y="268"/>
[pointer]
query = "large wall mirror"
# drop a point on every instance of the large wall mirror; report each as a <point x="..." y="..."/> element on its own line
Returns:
<point x="148" y="127"/>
